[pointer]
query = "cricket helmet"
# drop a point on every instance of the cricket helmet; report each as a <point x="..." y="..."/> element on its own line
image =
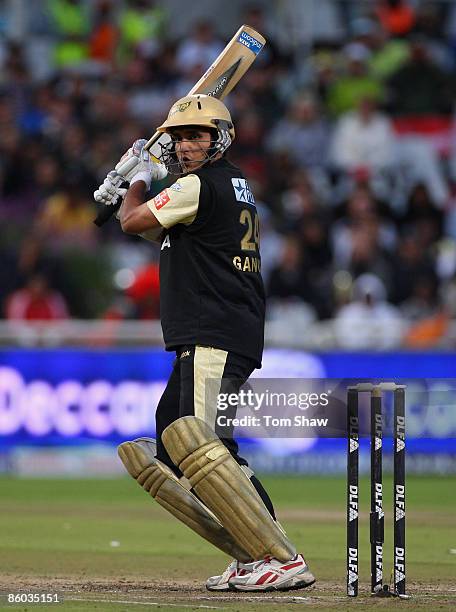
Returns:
<point x="199" y="110"/>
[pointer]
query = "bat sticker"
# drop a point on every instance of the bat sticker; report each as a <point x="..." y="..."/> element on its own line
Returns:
<point x="216" y="89"/>
<point x="251" y="43"/>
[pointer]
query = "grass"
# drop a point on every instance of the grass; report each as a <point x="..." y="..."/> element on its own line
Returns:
<point x="104" y="541"/>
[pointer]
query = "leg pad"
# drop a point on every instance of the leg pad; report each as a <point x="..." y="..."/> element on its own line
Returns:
<point x="224" y="487"/>
<point x="163" y="485"/>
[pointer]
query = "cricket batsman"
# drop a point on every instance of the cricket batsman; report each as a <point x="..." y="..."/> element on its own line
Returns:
<point x="212" y="309"/>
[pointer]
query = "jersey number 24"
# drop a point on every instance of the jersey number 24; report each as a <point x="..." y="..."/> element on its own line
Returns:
<point x="251" y="239"/>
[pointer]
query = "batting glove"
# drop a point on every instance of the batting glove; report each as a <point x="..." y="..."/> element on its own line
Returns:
<point x="113" y="189"/>
<point x="137" y="165"/>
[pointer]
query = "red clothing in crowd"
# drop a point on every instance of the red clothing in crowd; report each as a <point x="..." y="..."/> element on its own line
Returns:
<point x="23" y="304"/>
<point x="397" y="19"/>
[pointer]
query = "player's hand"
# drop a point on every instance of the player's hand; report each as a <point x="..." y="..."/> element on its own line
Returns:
<point x="138" y="165"/>
<point x="113" y="189"/>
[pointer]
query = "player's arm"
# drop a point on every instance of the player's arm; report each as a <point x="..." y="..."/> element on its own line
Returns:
<point x="180" y="203"/>
<point x="135" y="216"/>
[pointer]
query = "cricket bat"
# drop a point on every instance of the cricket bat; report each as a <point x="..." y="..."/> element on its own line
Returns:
<point x="218" y="80"/>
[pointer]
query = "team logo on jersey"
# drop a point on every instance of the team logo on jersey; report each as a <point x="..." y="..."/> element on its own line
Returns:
<point x="176" y="186"/>
<point x="161" y="199"/>
<point x="242" y="191"/>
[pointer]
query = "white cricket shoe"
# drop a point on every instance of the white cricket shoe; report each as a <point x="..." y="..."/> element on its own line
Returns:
<point x="274" y="575"/>
<point x="234" y="569"/>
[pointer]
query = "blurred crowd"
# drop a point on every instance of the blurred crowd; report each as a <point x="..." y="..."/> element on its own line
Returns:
<point x="347" y="142"/>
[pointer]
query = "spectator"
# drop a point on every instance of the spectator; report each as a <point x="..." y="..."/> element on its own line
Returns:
<point x="288" y="279"/>
<point x="363" y="141"/>
<point x="369" y="321"/>
<point x="366" y="253"/>
<point x="423" y="302"/>
<point x="313" y="231"/>
<point x="361" y="209"/>
<point x="263" y="92"/>
<point x="200" y="49"/>
<point x="356" y="83"/>
<point x="74" y="154"/>
<point x="303" y="134"/>
<point x="432" y="88"/>
<point x="422" y="217"/>
<point x="36" y="302"/>
<point x="318" y="72"/>
<point x="411" y="262"/>
<point x="363" y="241"/>
<point x="70" y="22"/>
<point x="47" y="175"/>
<point x="389" y="54"/>
<point x="298" y="201"/>
<point x="318" y="258"/>
<point x="429" y="318"/>
<point x="428" y="333"/>
<point x="33" y="260"/>
<point x="418" y="163"/>
<point x="66" y="218"/>
<point x="105" y="35"/>
<point x="248" y="146"/>
<point x="289" y="308"/>
<point x="142" y="24"/>
<point x="430" y="23"/>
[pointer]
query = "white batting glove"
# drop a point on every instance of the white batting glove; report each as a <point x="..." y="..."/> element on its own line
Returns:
<point x="137" y="165"/>
<point x="113" y="189"/>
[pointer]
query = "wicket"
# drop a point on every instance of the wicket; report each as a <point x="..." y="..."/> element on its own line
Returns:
<point x="376" y="501"/>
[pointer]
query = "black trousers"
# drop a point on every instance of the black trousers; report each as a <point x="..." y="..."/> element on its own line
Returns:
<point x="195" y="370"/>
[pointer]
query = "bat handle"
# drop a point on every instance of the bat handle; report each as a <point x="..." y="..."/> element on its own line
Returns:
<point x="150" y="143"/>
<point x="107" y="212"/>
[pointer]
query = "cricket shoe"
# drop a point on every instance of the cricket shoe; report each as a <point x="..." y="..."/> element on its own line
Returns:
<point x="274" y="575"/>
<point x="234" y="569"/>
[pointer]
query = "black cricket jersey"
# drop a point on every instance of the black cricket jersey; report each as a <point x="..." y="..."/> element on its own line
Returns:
<point x="211" y="290"/>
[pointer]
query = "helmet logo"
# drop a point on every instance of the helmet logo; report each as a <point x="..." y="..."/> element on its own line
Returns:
<point x="179" y="108"/>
